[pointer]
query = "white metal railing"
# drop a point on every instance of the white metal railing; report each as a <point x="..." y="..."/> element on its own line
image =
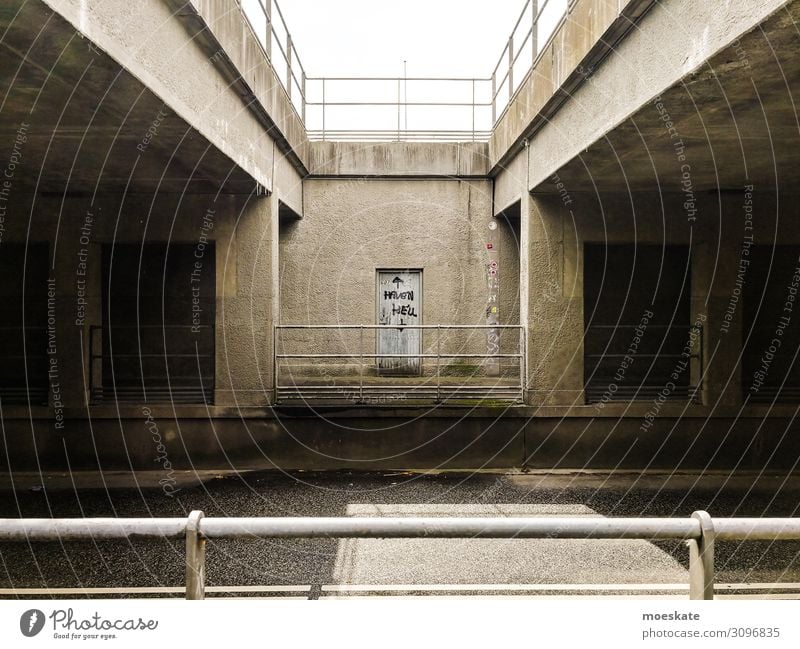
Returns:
<point x="399" y="108"/>
<point x="405" y="108"/>
<point x="700" y="532"/>
<point x="538" y="22"/>
<point x="269" y="27"/>
<point x="341" y="363"/>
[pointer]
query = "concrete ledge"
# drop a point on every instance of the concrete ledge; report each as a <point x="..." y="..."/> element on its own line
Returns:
<point x="612" y="410"/>
<point x="401" y="159"/>
<point x="588" y="35"/>
<point x="225" y="29"/>
<point x="404" y="441"/>
<point x="53" y="481"/>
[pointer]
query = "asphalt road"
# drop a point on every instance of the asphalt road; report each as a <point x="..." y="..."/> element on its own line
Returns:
<point x="314" y="568"/>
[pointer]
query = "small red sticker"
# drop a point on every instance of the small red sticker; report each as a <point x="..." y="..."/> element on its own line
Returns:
<point x="489" y="246"/>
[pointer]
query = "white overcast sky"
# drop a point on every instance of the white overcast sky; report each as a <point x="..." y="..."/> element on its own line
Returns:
<point x="373" y="37"/>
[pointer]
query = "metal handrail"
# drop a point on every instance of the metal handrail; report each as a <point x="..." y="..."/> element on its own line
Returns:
<point x="173" y="383"/>
<point x="287" y="50"/>
<point x="491" y="385"/>
<point x="694" y="390"/>
<point x="502" y="74"/>
<point x="700" y="532"/>
<point x="398" y="98"/>
<point x="508" y="53"/>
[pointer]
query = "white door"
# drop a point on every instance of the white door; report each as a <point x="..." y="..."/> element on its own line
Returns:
<point x="399" y="305"/>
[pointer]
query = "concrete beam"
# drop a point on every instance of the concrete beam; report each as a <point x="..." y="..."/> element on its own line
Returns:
<point x="674" y="40"/>
<point x="401" y="159"/>
<point x="149" y="42"/>
<point x="588" y="34"/>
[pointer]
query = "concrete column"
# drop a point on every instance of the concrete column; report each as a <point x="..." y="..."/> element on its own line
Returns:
<point x="555" y="310"/>
<point x="245" y="314"/>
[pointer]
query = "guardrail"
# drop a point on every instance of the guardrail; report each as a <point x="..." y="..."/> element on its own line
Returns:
<point x="446" y="369"/>
<point x="383" y="108"/>
<point x="399" y="108"/>
<point x="152" y="363"/>
<point x="614" y="372"/>
<point x="269" y="27"/>
<point x="23" y="378"/>
<point x="700" y="532"/>
<point x="538" y="22"/>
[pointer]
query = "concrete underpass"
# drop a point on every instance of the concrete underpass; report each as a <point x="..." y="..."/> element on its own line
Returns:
<point x="570" y="309"/>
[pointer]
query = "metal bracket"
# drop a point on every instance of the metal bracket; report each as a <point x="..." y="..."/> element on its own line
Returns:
<point x="701" y="559"/>
<point x="195" y="558"/>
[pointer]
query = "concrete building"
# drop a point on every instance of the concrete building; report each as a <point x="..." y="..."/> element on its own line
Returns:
<point x="195" y="275"/>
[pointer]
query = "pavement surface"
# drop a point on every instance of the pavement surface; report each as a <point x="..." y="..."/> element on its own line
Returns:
<point x="347" y="567"/>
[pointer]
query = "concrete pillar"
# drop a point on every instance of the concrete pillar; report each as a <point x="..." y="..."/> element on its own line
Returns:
<point x="245" y="313"/>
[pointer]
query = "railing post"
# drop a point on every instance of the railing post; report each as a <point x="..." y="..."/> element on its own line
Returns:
<point x="438" y="361"/>
<point x="303" y="93"/>
<point x="267" y="5"/>
<point x="523" y="378"/>
<point x="323" y="110"/>
<point x="510" y="66"/>
<point x="701" y="559"/>
<point x="473" y="110"/>
<point x="534" y="30"/>
<point x="398" y="110"/>
<point x="289" y="64"/>
<point x="494" y="97"/>
<point x="361" y="366"/>
<point x="275" y="368"/>
<point x="195" y="558"/>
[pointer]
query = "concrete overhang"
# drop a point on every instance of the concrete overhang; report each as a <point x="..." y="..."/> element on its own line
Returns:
<point x="222" y="30"/>
<point x="585" y="37"/>
<point x="399" y="159"/>
<point x="729" y="123"/>
<point x="75" y="120"/>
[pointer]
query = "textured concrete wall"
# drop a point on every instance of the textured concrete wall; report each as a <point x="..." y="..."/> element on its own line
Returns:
<point x="353" y="227"/>
<point x="244" y="240"/>
<point x="449" y="159"/>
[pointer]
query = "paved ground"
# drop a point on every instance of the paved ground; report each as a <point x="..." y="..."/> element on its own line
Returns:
<point x="335" y="567"/>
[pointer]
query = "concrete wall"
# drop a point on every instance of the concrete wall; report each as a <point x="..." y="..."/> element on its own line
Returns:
<point x="353" y="227"/>
<point x="560" y="226"/>
<point x="415" y="159"/>
<point x="76" y="229"/>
